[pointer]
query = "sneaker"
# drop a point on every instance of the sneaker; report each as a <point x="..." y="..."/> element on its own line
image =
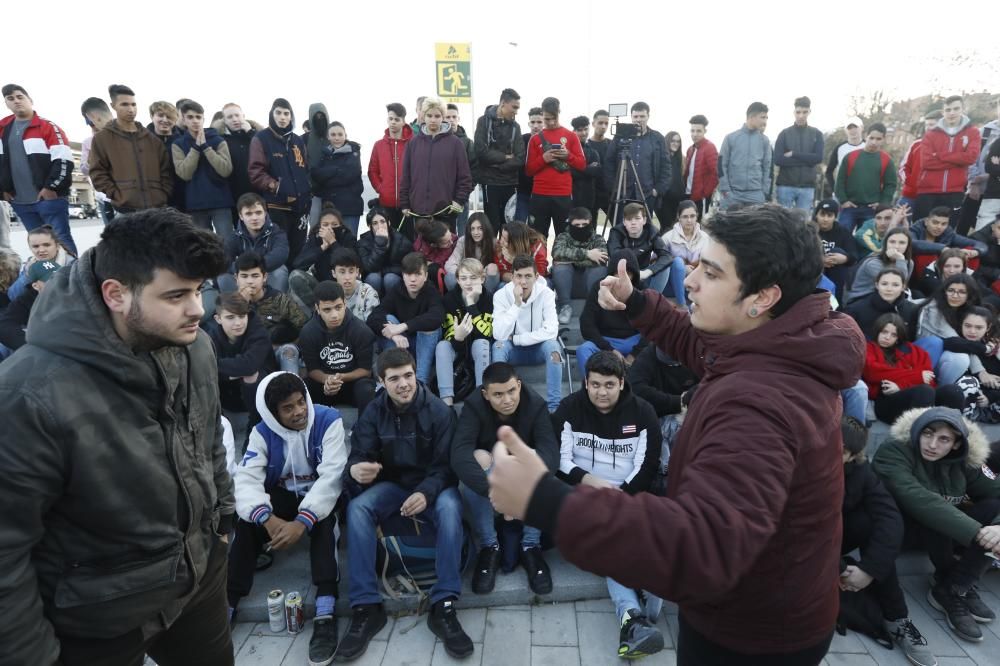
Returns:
<point x="323" y="644"/>
<point x="943" y="598"/>
<point x="565" y="314"/>
<point x="979" y="611"/>
<point x="264" y="561"/>
<point x="910" y="641"/>
<point x="485" y="576"/>
<point x="443" y="623"/>
<point x="539" y="578"/>
<point x="638" y="637"/>
<point x="366" y="621"/>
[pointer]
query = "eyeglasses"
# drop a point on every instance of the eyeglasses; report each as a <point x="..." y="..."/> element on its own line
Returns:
<point x="956" y="292"/>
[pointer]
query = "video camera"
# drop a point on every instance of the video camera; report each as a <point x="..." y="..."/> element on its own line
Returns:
<point x="622" y="131"/>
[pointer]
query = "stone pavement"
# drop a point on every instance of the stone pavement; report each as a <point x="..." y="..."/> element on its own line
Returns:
<point x="583" y="633"/>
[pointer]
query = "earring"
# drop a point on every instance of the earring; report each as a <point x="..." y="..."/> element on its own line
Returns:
<point x="753" y="312"/>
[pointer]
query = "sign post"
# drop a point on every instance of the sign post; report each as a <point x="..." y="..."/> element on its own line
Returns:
<point x="453" y="63"/>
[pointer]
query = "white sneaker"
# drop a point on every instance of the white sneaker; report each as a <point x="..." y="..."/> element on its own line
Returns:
<point x="565" y="314"/>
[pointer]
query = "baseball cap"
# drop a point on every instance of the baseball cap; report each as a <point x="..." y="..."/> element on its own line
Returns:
<point x="42" y="270"/>
<point x="854" y="120"/>
<point x="829" y="205"/>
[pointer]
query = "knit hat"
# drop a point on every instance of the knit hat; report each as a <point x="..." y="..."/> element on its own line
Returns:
<point x="42" y="270"/>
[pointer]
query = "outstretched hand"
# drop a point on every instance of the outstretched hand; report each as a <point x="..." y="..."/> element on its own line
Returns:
<point x="517" y="469"/>
<point x="615" y="289"/>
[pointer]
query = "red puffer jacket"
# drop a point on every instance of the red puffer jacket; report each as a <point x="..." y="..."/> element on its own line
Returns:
<point x="945" y="159"/>
<point x="908" y="370"/>
<point x="706" y="170"/>
<point x="385" y="168"/>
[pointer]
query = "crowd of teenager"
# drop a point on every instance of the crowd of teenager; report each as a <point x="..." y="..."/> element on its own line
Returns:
<point x="432" y="304"/>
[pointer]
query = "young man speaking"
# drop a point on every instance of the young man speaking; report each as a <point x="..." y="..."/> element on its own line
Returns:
<point x="746" y="540"/>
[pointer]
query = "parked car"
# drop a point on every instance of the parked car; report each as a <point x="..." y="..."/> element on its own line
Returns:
<point x="78" y="212"/>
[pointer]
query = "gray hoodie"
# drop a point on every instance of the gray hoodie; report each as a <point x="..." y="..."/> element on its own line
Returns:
<point x="745" y="166"/>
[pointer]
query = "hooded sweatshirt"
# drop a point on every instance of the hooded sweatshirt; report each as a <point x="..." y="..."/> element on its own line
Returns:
<point x="532" y="322"/>
<point x="689" y="250"/>
<point x="597" y="322"/>
<point x="946" y="153"/>
<point x="309" y="462"/>
<point x="132" y="168"/>
<point x="930" y="492"/>
<point x="278" y="160"/>
<point x="120" y="541"/>
<point x="342" y="350"/>
<point x="747" y="540"/>
<point x="621" y="447"/>
<point x="425" y="312"/>
<point x="317" y="138"/>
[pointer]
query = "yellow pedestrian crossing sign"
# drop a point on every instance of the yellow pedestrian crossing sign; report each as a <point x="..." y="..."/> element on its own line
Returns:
<point x="454" y="71"/>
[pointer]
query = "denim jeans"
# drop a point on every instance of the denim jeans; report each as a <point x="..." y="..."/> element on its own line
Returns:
<point x="934" y="346"/>
<point x="852" y="218"/>
<point x="221" y="218"/>
<point x="796" y="197"/>
<point x="521" y="210"/>
<point x="856" y="401"/>
<point x="422" y="344"/>
<point x="625" y="598"/>
<point x="378" y="506"/>
<point x="508" y="352"/>
<point x="352" y="222"/>
<point x="444" y="356"/>
<point x="54" y="212"/>
<point x="564" y="275"/>
<point x="950" y="367"/>
<point x="482" y="514"/>
<point x="276" y="279"/>
<point x="672" y="277"/>
<point x="588" y="349"/>
<point x="383" y="282"/>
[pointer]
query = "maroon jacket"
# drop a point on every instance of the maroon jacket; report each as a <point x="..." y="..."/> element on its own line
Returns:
<point x="435" y="172"/>
<point x="747" y="541"/>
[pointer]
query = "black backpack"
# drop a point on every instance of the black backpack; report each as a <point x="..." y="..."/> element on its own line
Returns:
<point x="860" y="612"/>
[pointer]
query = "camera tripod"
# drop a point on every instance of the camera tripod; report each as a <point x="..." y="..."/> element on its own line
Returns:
<point x="626" y="166"/>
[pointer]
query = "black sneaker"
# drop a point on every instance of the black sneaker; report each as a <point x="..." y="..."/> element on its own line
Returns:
<point x="638" y="638"/>
<point x="485" y="577"/>
<point x="539" y="578"/>
<point x="979" y="611"/>
<point x="323" y="644"/>
<point x="366" y="621"/>
<point x="443" y="622"/>
<point x="943" y="598"/>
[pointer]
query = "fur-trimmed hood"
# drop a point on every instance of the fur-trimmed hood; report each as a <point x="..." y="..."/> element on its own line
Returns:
<point x="976" y="447"/>
<point x="220" y="126"/>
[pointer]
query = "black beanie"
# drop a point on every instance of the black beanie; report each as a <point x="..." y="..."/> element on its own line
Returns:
<point x="281" y="102"/>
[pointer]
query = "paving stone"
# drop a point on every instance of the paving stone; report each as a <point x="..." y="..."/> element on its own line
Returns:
<point x="240" y="633"/>
<point x="986" y="652"/>
<point x="442" y="658"/>
<point x="260" y="650"/>
<point x="955" y="661"/>
<point x="506" y="640"/>
<point x="554" y="656"/>
<point x="598" y="639"/>
<point x="298" y="653"/>
<point x="413" y="648"/>
<point x="474" y="622"/>
<point x="553" y="625"/>
<point x="595" y="606"/>
<point x="851" y="644"/>
<point x="835" y="659"/>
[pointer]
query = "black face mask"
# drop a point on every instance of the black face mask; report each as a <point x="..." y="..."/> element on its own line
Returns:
<point x="580" y="234"/>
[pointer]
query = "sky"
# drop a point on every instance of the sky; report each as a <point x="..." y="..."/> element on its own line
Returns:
<point x="710" y="57"/>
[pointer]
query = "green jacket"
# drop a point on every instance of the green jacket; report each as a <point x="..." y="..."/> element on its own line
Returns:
<point x="930" y="492"/>
<point x="566" y="250"/>
<point x="114" y="493"/>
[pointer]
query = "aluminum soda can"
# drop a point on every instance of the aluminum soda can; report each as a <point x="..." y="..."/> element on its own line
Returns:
<point x="275" y="610"/>
<point x="294" y="613"/>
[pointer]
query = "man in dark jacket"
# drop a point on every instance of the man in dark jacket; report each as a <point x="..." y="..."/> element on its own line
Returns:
<point x="747" y="549"/>
<point x="608" y="438"/>
<point x="257" y="233"/>
<point x="14" y="318"/>
<point x="123" y="556"/>
<point x="238" y="133"/>
<point x="585" y="180"/>
<point x="609" y="330"/>
<point x="399" y="467"/>
<point x="657" y="267"/>
<point x="36" y="182"/>
<point x="279" y="172"/>
<point x="649" y="155"/>
<point x="128" y="163"/>
<point x="501" y="400"/>
<point x="499" y="154"/>
<point x="660" y="380"/>
<point x="797" y="151"/>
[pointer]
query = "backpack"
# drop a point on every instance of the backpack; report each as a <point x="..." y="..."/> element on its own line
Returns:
<point x="852" y="157"/>
<point x="861" y="612"/>
<point x="405" y="563"/>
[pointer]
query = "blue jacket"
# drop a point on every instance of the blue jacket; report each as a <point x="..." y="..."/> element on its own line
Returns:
<point x="414" y="447"/>
<point x="947" y="239"/>
<point x="281" y="159"/>
<point x="271" y="243"/>
<point x="207" y="189"/>
<point x="337" y="178"/>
